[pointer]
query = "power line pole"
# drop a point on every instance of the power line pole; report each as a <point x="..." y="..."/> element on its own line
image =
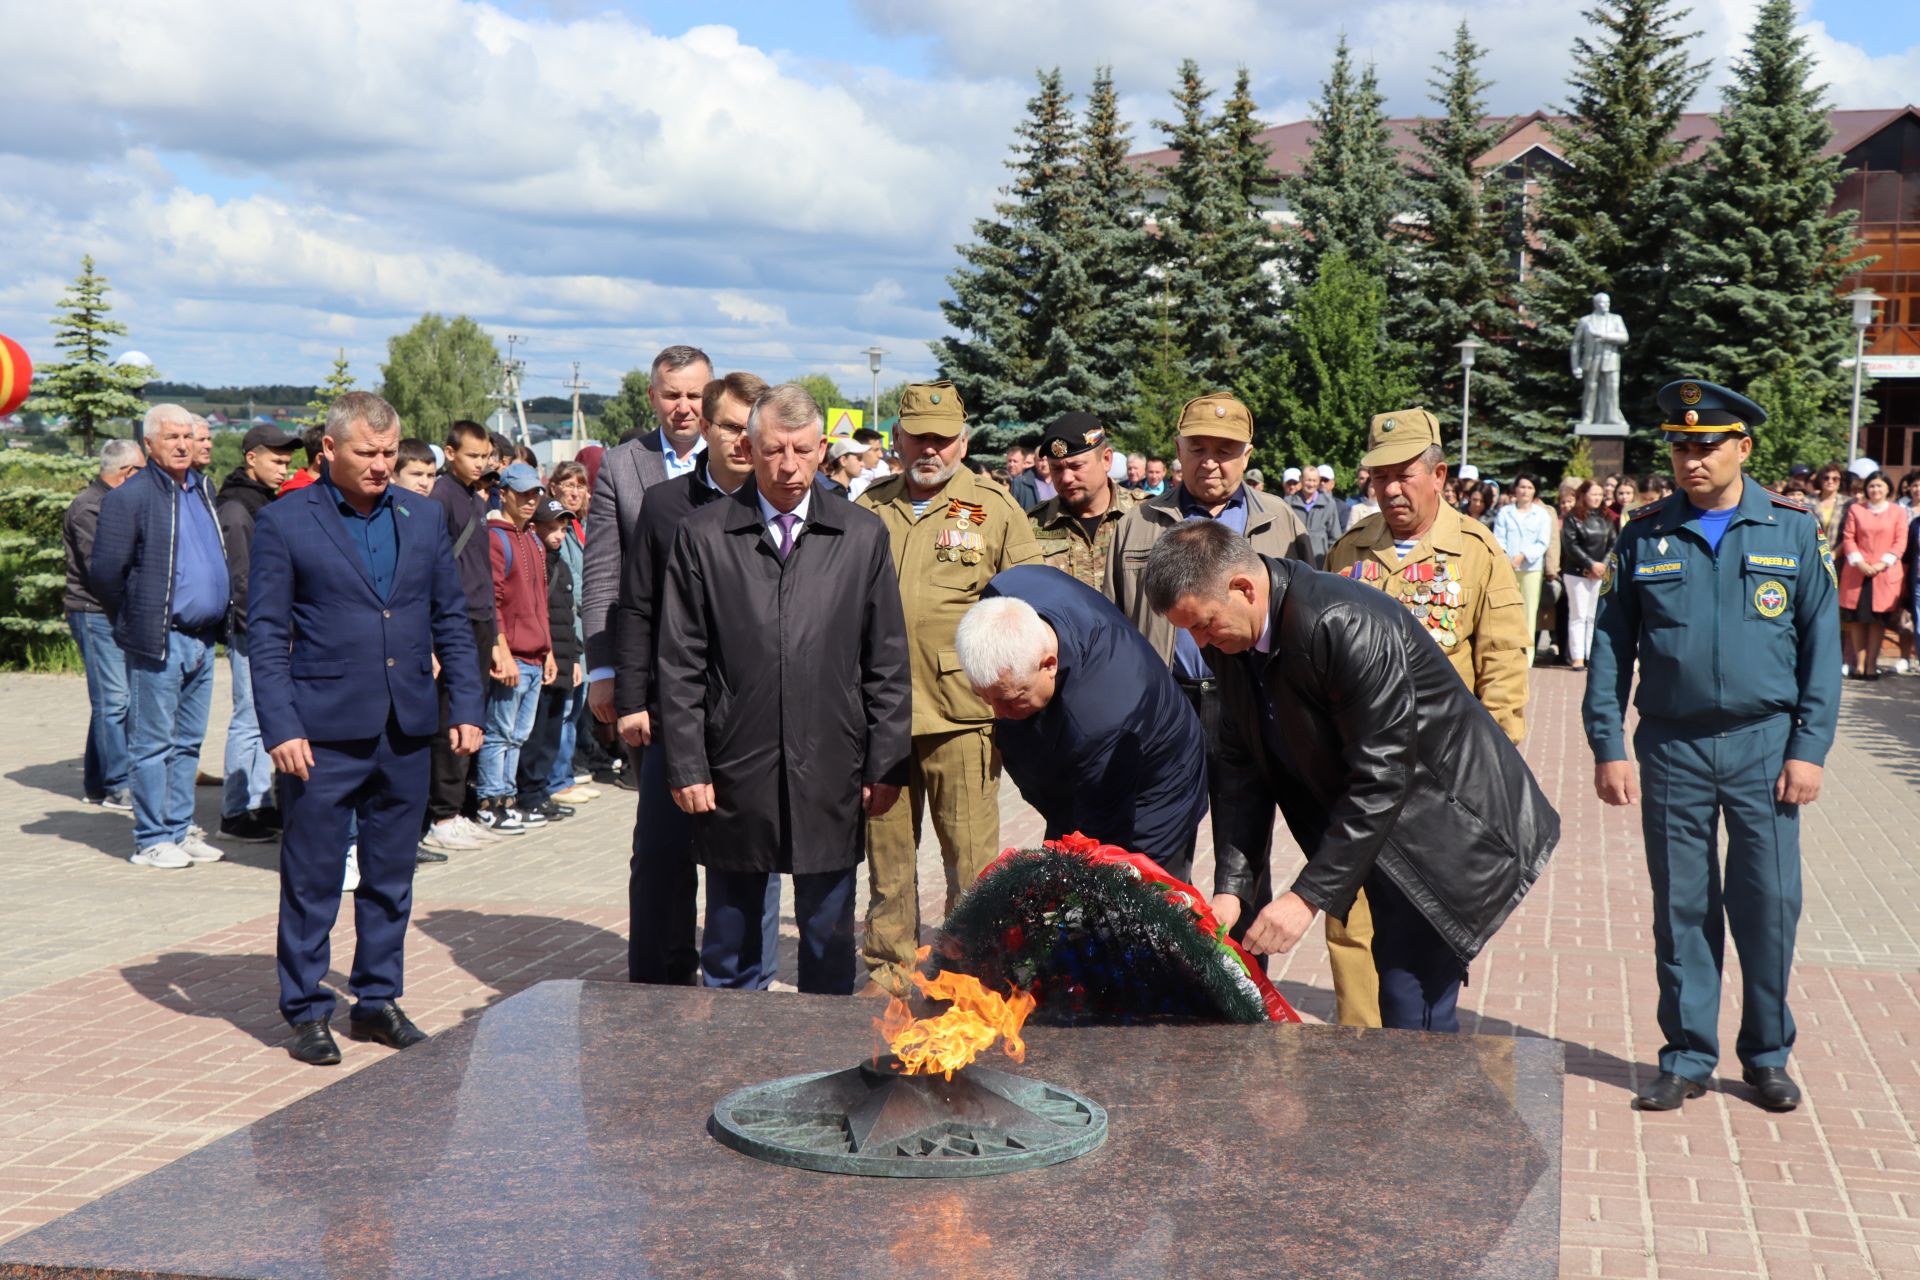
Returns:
<point x="579" y="419"/>
<point x="513" y="388"/>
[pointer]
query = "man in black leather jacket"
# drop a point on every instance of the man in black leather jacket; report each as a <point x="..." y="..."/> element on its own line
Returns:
<point x="1389" y="773"/>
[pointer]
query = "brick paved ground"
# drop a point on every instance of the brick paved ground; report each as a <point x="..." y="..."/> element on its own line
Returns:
<point x="137" y="1017"/>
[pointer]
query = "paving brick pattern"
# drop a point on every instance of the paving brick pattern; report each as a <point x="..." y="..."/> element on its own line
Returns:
<point x="137" y="1017"/>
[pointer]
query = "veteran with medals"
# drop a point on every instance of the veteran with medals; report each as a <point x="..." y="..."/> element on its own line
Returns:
<point x="950" y="531"/>
<point x="1722" y="595"/>
<point x="1457" y="583"/>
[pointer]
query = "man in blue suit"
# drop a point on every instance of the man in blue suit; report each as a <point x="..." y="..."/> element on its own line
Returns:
<point x="1090" y="724"/>
<point x="351" y="592"/>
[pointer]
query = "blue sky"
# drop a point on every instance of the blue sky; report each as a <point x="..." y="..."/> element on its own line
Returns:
<point x="781" y="183"/>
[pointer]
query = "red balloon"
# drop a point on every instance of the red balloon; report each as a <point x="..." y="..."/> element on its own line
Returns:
<point x="16" y="375"/>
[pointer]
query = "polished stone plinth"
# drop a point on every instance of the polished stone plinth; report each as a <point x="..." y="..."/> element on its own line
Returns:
<point x="564" y="1133"/>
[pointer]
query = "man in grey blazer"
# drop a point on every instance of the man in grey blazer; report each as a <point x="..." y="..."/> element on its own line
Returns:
<point x="678" y="376"/>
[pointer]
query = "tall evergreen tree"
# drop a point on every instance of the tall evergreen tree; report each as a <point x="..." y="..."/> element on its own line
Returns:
<point x="1311" y="403"/>
<point x="1163" y="385"/>
<point x="1460" y="269"/>
<point x="1021" y="299"/>
<point x="1606" y="224"/>
<point x="1350" y="188"/>
<point x="338" y="383"/>
<point x="87" y="388"/>
<point x="1206" y="253"/>
<point x="1758" y="254"/>
<point x="1114" y="255"/>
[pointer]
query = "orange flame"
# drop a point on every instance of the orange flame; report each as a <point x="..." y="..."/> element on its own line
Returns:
<point x="949" y="1042"/>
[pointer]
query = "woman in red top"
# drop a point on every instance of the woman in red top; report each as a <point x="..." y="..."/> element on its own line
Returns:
<point x="1873" y="539"/>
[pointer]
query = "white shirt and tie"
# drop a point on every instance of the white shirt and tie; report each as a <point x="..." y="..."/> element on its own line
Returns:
<point x="784" y="526"/>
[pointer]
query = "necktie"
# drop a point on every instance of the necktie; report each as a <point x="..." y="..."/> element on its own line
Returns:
<point x="786" y="520"/>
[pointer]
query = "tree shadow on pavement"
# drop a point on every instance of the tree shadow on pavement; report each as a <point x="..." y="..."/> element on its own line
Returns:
<point x="101" y="830"/>
<point x="63" y="778"/>
<point x="513" y="952"/>
<point x="240" y="989"/>
<point x="1883" y="720"/>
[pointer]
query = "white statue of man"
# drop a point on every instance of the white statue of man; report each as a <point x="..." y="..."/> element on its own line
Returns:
<point x="1597" y="340"/>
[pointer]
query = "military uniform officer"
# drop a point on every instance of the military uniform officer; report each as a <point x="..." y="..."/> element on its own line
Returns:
<point x="1075" y="528"/>
<point x="1457" y="583"/>
<point x="1723" y="594"/>
<point x="951" y="531"/>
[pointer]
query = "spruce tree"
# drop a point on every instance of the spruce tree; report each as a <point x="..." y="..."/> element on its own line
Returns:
<point x="1022" y="296"/>
<point x="1163" y="385"/>
<point x="1210" y="249"/>
<point x="1350" y="188"/>
<point x="87" y="388"/>
<point x="1312" y="402"/>
<point x="1460" y="278"/>
<point x="1113" y="254"/>
<point x="338" y="383"/>
<point x="1758" y="255"/>
<point x="1605" y="225"/>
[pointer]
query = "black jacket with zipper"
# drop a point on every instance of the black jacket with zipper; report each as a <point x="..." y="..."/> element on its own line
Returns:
<point x="1391" y="766"/>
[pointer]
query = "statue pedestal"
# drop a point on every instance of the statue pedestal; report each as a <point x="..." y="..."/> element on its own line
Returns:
<point x="1606" y="444"/>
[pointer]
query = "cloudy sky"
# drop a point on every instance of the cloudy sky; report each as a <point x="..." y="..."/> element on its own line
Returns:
<point x="779" y="182"/>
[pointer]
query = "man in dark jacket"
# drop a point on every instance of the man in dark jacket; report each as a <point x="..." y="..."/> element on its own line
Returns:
<point x="160" y="572"/>
<point x="785" y="696"/>
<point x="247" y="811"/>
<point x="662" y="880"/>
<point x="1091" y="726"/>
<point x="104" y="772"/>
<point x="1389" y="772"/>
<point x="556" y="697"/>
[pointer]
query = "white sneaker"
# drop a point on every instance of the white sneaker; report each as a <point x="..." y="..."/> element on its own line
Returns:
<point x="196" y="848"/>
<point x="582" y="779"/>
<point x="479" y="832"/>
<point x="351" y="880"/>
<point x="165" y="854"/>
<point x="1900" y="666"/>
<point x="447" y="836"/>
<point x="577" y="794"/>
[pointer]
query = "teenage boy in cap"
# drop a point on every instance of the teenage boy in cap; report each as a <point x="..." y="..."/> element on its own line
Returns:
<point x="520" y="602"/>
<point x="247" y="811"/>
<point x="1215" y="445"/>
<point x="1723" y="594"/>
<point x="1452" y="575"/>
<point x="1075" y="527"/>
<point x="846" y="461"/>
<point x="950" y="531"/>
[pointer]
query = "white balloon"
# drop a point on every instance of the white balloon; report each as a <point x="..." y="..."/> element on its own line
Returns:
<point x="135" y="359"/>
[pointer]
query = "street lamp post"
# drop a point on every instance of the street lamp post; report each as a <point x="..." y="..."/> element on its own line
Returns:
<point x="1862" y="300"/>
<point x="873" y="396"/>
<point x="1466" y="349"/>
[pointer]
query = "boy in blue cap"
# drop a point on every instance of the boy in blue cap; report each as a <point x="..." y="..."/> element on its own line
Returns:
<point x="1723" y="593"/>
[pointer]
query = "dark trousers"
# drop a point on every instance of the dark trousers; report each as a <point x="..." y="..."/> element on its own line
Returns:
<point x="735" y="953"/>
<point x="542" y="746"/>
<point x="1689" y="782"/>
<point x="447" y="793"/>
<point x="1419" y="973"/>
<point x="1205" y="697"/>
<point x="383" y="781"/>
<point x="663" y="883"/>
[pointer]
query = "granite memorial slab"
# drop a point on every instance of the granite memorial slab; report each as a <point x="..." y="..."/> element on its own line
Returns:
<point x="567" y="1131"/>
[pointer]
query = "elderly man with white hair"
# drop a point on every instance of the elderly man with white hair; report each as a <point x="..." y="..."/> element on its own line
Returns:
<point x="1091" y="726"/>
<point x="159" y="570"/>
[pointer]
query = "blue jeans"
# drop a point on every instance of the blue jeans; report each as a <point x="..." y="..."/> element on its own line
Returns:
<point x="560" y="777"/>
<point x="510" y="715"/>
<point x="166" y="722"/>
<point x="105" y="769"/>
<point x="249" y="769"/>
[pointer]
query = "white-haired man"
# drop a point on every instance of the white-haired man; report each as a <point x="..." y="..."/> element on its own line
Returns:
<point x="104" y="775"/>
<point x="1091" y="726"/>
<point x="159" y="570"/>
<point x="785" y="697"/>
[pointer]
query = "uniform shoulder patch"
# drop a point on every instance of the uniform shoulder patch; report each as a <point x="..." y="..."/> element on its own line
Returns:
<point x="1641" y="513"/>
<point x="1791" y="504"/>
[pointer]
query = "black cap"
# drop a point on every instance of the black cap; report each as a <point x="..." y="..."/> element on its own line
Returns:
<point x="1071" y="434"/>
<point x="267" y="436"/>
<point x="1800" y="470"/>
<point x="1699" y="412"/>
<point x="550" y="511"/>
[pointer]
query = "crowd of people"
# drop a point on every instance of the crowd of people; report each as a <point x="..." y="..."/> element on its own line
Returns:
<point x="799" y="652"/>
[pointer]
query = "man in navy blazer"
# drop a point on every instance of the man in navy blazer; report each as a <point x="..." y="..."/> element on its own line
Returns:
<point x="351" y="592"/>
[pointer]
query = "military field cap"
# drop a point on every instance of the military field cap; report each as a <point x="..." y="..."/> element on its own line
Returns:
<point x="1400" y="436"/>
<point x="932" y="409"/>
<point x="1695" y="412"/>
<point x="1072" y="434"/>
<point x="1217" y="415"/>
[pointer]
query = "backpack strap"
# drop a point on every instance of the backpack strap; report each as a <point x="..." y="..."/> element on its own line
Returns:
<point x="506" y="544"/>
<point x="466" y="536"/>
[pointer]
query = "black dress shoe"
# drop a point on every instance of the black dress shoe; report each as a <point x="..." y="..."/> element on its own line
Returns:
<point x="385" y="1025"/>
<point x="424" y="856"/>
<point x="1668" y="1092"/>
<point x="1776" y="1088"/>
<point x="313" y="1044"/>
